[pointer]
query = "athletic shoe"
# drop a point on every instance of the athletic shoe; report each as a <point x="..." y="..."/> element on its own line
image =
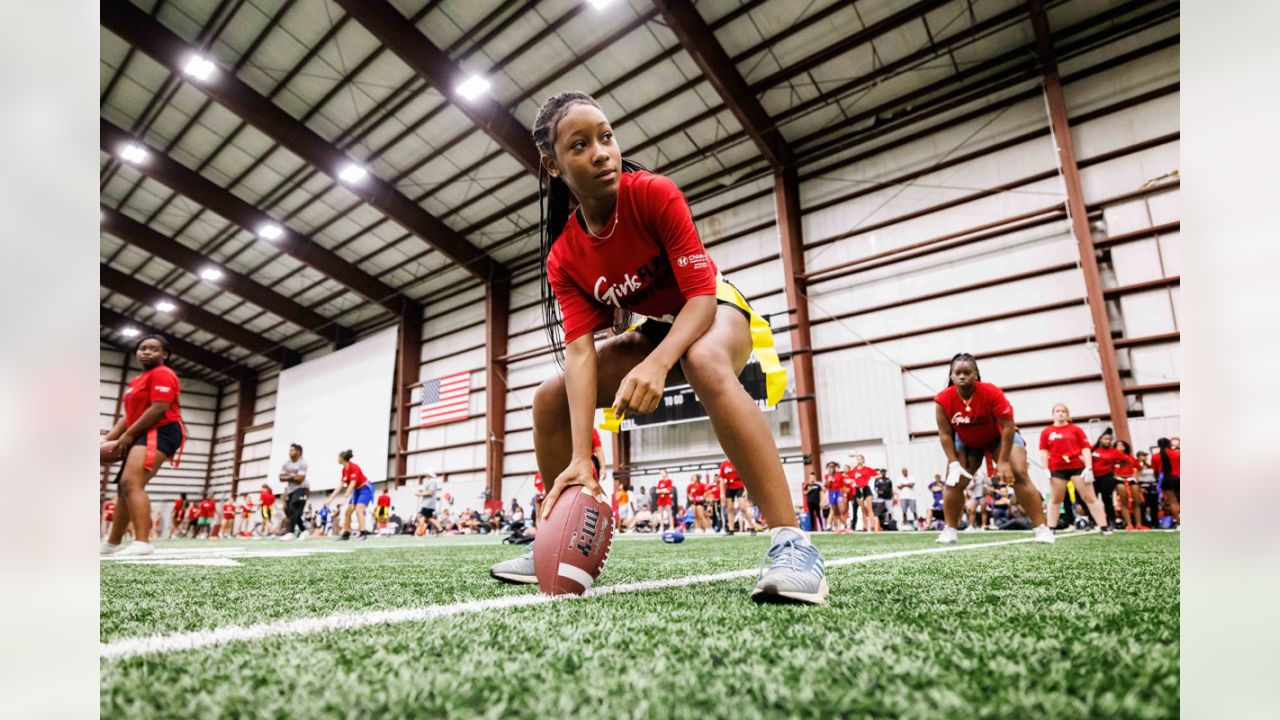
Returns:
<point x="973" y="528"/>
<point x="1108" y="530"/>
<point x="107" y="548"/>
<point x="284" y="537"/>
<point x="1044" y="535"/>
<point x="948" y="536"/>
<point x="517" y="571"/>
<point x="345" y="536"/>
<point x="795" y="572"/>
<point x="137" y="549"/>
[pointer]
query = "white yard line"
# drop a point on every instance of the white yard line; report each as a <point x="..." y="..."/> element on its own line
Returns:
<point x="160" y="644"/>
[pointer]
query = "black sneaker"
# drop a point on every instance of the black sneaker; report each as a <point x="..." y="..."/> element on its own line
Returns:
<point x="345" y="536"/>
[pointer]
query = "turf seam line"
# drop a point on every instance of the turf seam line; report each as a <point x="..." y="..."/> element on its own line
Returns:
<point x="192" y="640"/>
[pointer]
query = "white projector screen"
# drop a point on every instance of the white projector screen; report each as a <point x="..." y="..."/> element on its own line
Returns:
<point x="338" y="402"/>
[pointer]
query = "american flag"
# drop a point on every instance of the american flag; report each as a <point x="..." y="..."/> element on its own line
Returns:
<point x="445" y="399"/>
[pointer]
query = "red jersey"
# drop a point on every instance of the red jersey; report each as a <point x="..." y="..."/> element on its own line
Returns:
<point x="713" y="491"/>
<point x="155" y="385"/>
<point x="834" y="481"/>
<point x="652" y="263"/>
<point x="353" y="474"/>
<point x="861" y="476"/>
<point x="177" y="506"/>
<point x="732" y="481"/>
<point x="109" y="510"/>
<point x="193" y="512"/>
<point x="1064" y="445"/>
<point x="537" y="482"/>
<point x="267" y="498"/>
<point x="1175" y="461"/>
<point x="665" y="486"/>
<point x="977" y="422"/>
<point x="595" y="439"/>
<point x="208" y="508"/>
<point x="696" y="491"/>
<point x="1105" y="460"/>
<point x="247" y="508"/>
<point x="228" y="511"/>
<point x="384" y="501"/>
<point x="1126" y="466"/>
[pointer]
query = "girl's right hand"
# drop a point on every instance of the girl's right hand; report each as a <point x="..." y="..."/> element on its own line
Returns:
<point x="580" y="472"/>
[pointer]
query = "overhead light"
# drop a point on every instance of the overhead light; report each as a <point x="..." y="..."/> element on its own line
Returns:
<point x="133" y="154"/>
<point x="165" y="306"/>
<point x="473" y="88"/>
<point x="600" y="3"/>
<point x="130" y="332"/>
<point x="270" y="231"/>
<point x="211" y="273"/>
<point x="198" y="68"/>
<point x="352" y="174"/>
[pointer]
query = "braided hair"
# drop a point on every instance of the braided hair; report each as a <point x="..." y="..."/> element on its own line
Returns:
<point x="962" y="357"/>
<point x="554" y="207"/>
<point x="1105" y="433"/>
<point x="1166" y="468"/>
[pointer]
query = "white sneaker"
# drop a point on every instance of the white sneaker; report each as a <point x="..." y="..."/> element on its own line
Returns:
<point x="107" y="548"/>
<point x="137" y="549"/>
<point x="286" y="536"/>
<point x="948" y="536"/>
<point x="973" y="528"/>
<point x="1044" y="535"/>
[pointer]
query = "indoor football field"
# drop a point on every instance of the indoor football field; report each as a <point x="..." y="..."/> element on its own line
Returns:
<point x="995" y="626"/>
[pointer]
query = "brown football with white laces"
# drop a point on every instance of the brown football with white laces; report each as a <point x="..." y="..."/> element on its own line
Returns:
<point x="573" y="543"/>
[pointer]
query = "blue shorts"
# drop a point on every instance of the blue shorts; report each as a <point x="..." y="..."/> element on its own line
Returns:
<point x="834" y="497"/>
<point x="993" y="448"/>
<point x="363" y="496"/>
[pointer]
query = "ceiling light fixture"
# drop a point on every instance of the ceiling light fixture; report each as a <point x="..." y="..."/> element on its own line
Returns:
<point x="352" y="174"/>
<point x="474" y="87"/>
<point x="270" y="231"/>
<point x="199" y="68"/>
<point x="130" y="332"/>
<point x="133" y="154"/>
<point x="165" y="306"/>
<point x="211" y="274"/>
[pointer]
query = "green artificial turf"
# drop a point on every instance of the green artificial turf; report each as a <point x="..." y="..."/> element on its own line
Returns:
<point x="1086" y="628"/>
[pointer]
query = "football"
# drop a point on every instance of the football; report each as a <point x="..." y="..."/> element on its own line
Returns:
<point x="573" y="543"/>
<point x="109" y="452"/>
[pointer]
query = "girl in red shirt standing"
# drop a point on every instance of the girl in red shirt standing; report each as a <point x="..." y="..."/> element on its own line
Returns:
<point x="630" y="245"/>
<point x="1105" y="457"/>
<point x="975" y="420"/>
<point x="1068" y="458"/>
<point x="359" y="494"/>
<point x="1128" y="494"/>
<point x="1167" y="465"/>
<point x="834" y="482"/>
<point x="150" y="432"/>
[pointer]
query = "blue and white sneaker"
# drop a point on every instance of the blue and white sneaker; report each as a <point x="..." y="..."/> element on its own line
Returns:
<point x="795" y="572"/>
<point x="517" y="571"/>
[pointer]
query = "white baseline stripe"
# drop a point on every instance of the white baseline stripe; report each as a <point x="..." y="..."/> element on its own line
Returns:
<point x="155" y="644"/>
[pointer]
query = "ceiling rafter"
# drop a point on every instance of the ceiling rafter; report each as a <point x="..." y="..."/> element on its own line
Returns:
<point x="151" y="37"/>
<point x="169" y="249"/>
<point x="207" y="359"/>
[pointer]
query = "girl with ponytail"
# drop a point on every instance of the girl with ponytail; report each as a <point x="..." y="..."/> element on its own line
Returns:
<point x="617" y="240"/>
<point x="1167" y="464"/>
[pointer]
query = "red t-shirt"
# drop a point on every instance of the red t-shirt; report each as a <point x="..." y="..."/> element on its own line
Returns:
<point x="713" y="491"/>
<point x="177" y="506"/>
<point x="1064" y="445"/>
<point x="1175" y="460"/>
<point x="384" y="500"/>
<point x="247" y="508"/>
<point x="1105" y="460"/>
<point x="977" y="426"/>
<point x="537" y="482"/>
<point x="861" y="477"/>
<point x="157" y="384"/>
<point x="696" y="491"/>
<point x="193" y="512"/>
<point x="665" y="486"/>
<point x="353" y="474"/>
<point x="109" y="509"/>
<point x="208" y="508"/>
<point x="228" y="511"/>
<point x="1126" y="465"/>
<point x="834" y="481"/>
<point x="267" y="498"/>
<point x="732" y="481"/>
<point x="651" y="264"/>
<point x="595" y="439"/>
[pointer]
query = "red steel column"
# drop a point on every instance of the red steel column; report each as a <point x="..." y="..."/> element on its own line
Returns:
<point x="786" y="191"/>
<point x="497" y="310"/>
<point x="244" y="419"/>
<point x="408" y="374"/>
<point x="1076" y="206"/>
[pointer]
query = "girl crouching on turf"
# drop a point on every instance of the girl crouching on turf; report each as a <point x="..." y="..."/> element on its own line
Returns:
<point x="616" y="238"/>
<point x="359" y="494"/>
<point x="974" y="420"/>
<point x="150" y="432"/>
<point x="1068" y="458"/>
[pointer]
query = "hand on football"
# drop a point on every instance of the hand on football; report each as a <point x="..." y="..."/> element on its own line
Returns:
<point x="580" y="472"/>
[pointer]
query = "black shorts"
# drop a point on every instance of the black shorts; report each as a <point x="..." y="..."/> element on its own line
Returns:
<point x="699" y="503"/>
<point x="1066" y="474"/>
<point x="734" y="493"/>
<point x="862" y="492"/>
<point x="656" y="330"/>
<point x="1172" y="483"/>
<point x="427" y="513"/>
<point x="168" y="440"/>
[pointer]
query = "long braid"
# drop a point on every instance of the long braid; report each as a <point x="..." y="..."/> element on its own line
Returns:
<point x="1166" y="468"/>
<point x="554" y="198"/>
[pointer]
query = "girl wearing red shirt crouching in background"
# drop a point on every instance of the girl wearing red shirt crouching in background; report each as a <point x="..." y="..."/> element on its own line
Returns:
<point x="359" y="494"/>
<point x="1067" y="457"/>
<point x="975" y="420"/>
<point x="150" y="432"/>
<point x="1167" y="465"/>
<point x="617" y="240"/>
